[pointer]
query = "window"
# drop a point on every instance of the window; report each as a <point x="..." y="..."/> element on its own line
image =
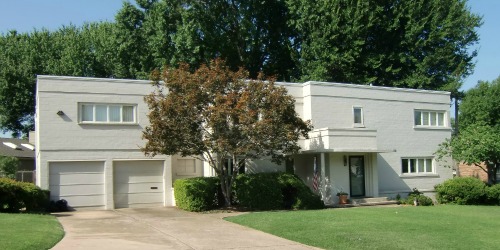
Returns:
<point x="107" y="113"/>
<point x="430" y="118"/>
<point x="358" y="115"/>
<point x="417" y="166"/>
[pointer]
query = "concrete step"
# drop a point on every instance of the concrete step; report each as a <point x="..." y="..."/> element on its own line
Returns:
<point x="368" y="200"/>
<point x="361" y="202"/>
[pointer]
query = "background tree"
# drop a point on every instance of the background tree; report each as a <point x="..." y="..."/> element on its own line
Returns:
<point x="417" y="44"/>
<point x="214" y="114"/>
<point x="479" y="139"/>
<point x="422" y="44"/>
<point x="8" y="166"/>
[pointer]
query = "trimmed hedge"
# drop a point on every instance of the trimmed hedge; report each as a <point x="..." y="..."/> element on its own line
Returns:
<point x="258" y="191"/>
<point x="270" y="191"/>
<point x="493" y="194"/>
<point x="197" y="194"/>
<point x="15" y="196"/>
<point x="461" y="191"/>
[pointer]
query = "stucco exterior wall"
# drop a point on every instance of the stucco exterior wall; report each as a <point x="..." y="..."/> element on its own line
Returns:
<point x="63" y="138"/>
<point x="389" y="112"/>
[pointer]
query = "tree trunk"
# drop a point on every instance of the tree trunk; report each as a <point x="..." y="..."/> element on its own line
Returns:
<point x="492" y="173"/>
<point x="225" y="184"/>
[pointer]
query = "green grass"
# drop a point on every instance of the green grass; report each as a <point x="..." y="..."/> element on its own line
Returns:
<point x="402" y="227"/>
<point x="29" y="231"/>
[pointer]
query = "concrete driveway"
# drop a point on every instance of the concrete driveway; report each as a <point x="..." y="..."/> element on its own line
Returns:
<point x="161" y="228"/>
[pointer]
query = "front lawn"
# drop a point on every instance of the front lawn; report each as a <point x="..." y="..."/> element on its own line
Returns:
<point x="29" y="231"/>
<point x="402" y="227"/>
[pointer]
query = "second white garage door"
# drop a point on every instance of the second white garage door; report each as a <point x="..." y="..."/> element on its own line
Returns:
<point x="138" y="183"/>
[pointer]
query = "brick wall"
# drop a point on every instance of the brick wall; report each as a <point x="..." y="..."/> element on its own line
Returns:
<point x="465" y="170"/>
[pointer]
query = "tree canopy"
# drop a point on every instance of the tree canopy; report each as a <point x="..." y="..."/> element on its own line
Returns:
<point x="417" y="44"/>
<point x="420" y="44"/>
<point x="478" y="142"/>
<point x="215" y="114"/>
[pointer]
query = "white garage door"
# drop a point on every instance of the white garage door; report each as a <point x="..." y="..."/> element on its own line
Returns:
<point x="81" y="184"/>
<point x="138" y="183"/>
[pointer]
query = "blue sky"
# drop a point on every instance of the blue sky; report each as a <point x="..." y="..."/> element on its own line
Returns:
<point x="26" y="15"/>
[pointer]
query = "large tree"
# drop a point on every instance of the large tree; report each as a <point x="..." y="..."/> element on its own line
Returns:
<point x="215" y="114"/>
<point x="416" y="44"/>
<point x="478" y="142"/>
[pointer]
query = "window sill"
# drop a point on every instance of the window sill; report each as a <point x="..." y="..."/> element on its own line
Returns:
<point x="110" y="123"/>
<point x="358" y="125"/>
<point x="410" y="176"/>
<point x="431" y="128"/>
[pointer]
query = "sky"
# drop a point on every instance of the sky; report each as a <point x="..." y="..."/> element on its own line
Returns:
<point x="27" y="15"/>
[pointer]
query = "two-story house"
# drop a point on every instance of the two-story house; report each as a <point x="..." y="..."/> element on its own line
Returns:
<point x="368" y="141"/>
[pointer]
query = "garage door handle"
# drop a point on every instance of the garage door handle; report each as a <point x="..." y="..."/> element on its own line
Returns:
<point x="154" y="187"/>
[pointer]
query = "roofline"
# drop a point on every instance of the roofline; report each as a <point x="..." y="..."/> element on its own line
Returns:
<point x="91" y="79"/>
<point x="360" y="86"/>
<point x="317" y="83"/>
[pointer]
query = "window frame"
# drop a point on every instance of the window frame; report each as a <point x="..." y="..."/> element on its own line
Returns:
<point x="108" y="115"/>
<point x="432" y="120"/>
<point x="416" y="165"/>
<point x="362" y="123"/>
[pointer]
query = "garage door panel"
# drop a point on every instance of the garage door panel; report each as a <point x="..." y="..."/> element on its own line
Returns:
<point x="81" y="184"/>
<point x="139" y="187"/>
<point x="83" y="200"/>
<point x="76" y="178"/>
<point x="138" y="183"/>
<point x="140" y="179"/>
<point x="76" y="190"/>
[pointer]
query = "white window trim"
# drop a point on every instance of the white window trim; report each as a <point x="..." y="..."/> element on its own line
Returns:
<point x="80" y="113"/>
<point x="418" y="174"/>
<point x="358" y="125"/>
<point x="445" y="120"/>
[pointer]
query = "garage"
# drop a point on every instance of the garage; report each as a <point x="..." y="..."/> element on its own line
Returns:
<point x="81" y="184"/>
<point x="138" y="183"/>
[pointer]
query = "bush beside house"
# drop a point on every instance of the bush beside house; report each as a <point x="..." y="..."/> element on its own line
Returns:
<point x="416" y="196"/>
<point x="15" y="196"/>
<point x="262" y="191"/>
<point x="467" y="191"/>
<point x="197" y="194"/>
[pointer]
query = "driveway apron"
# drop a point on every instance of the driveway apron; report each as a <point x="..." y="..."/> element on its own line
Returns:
<point x="161" y="228"/>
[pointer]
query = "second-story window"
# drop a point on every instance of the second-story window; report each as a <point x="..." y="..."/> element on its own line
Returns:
<point x="107" y="113"/>
<point x="430" y="118"/>
<point x="358" y="116"/>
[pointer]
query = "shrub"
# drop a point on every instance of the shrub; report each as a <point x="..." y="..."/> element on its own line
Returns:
<point x="422" y="200"/>
<point x="493" y="194"/>
<point x="304" y="198"/>
<point x="197" y="194"/>
<point x="259" y="191"/>
<point x="462" y="191"/>
<point x="17" y="195"/>
<point x="268" y="191"/>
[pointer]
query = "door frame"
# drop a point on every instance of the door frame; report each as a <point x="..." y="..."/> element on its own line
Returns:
<point x="362" y="157"/>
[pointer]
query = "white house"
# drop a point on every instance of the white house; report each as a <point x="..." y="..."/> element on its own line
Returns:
<point x="368" y="141"/>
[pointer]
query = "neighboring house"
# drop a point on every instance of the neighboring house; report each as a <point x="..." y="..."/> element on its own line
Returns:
<point x="368" y="141"/>
<point x="465" y="170"/>
<point x="25" y="152"/>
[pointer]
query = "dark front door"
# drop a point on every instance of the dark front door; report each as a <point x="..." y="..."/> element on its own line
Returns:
<point x="357" y="176"/>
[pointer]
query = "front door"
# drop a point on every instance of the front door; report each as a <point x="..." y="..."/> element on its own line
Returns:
<point x="357" y="176"/>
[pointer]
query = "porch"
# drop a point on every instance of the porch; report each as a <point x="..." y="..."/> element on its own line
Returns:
<point x="345" y="161"/>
